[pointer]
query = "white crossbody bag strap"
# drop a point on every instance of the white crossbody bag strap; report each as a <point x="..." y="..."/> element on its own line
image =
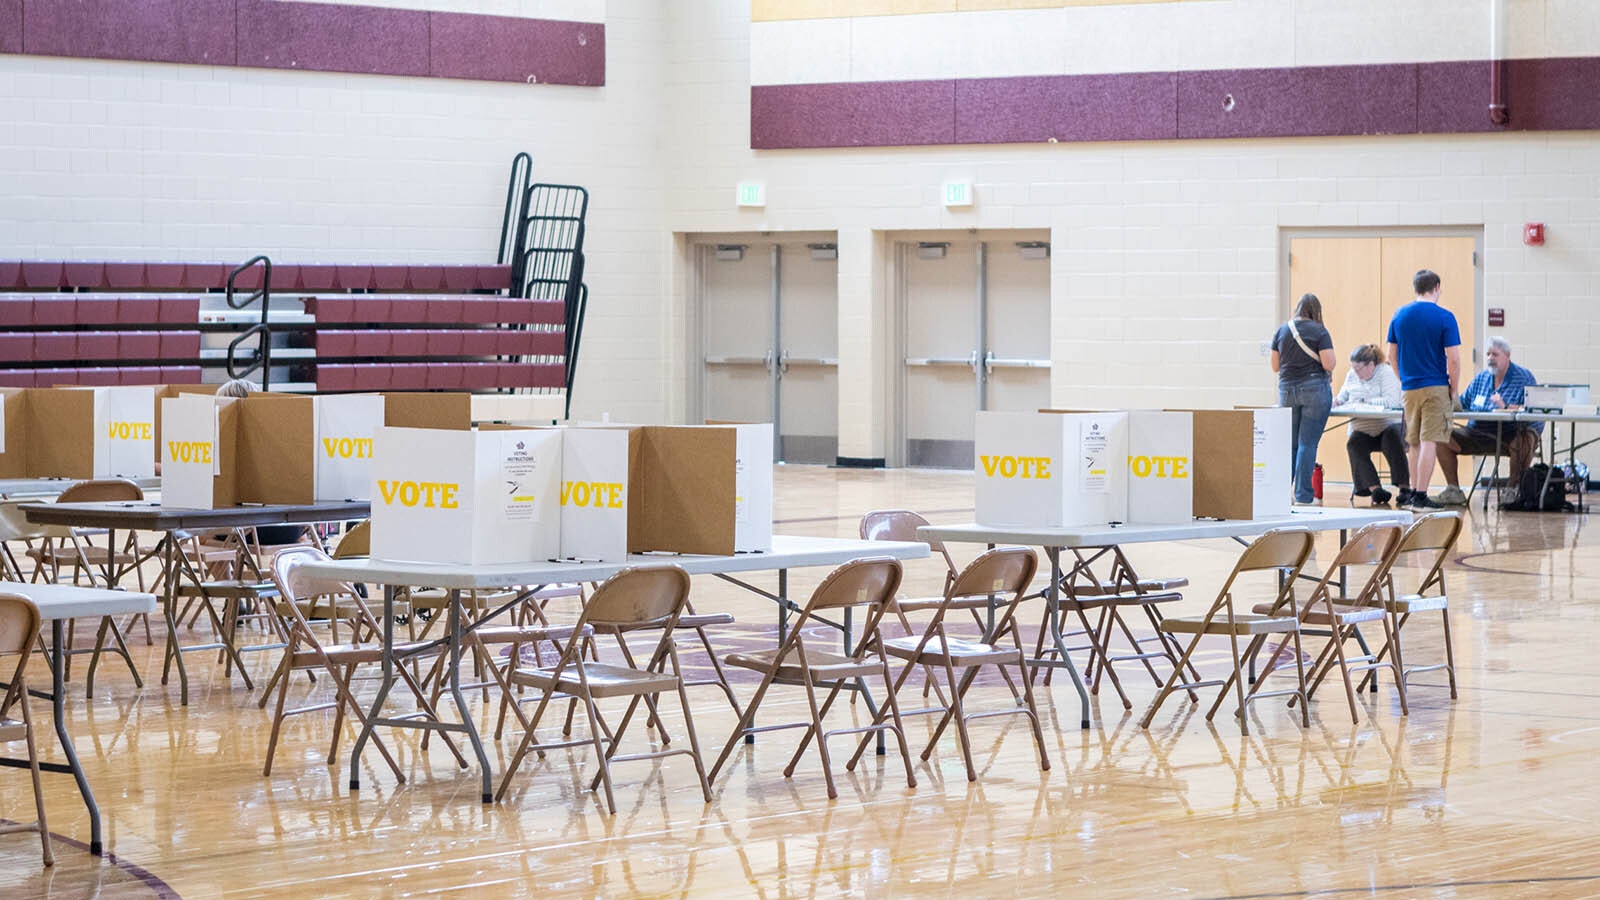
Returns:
<point x="1302" y="342"/>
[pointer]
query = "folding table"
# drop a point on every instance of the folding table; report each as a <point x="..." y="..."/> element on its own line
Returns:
<point x="1054" y="540"/>
<point x="152" y="516"/>
<point x="57" y="604"/>
<point x="787" y="553"/>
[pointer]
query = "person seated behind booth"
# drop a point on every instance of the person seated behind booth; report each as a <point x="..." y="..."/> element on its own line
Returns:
<point x="237" y="387"/>
<point x="1372" y="382"/>
<point x="1499" y="386"/>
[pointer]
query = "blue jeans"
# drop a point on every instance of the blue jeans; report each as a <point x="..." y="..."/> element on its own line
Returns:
<point x="1309" y="400"/>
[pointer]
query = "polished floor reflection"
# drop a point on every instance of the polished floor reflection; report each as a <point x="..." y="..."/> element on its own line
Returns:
<point x="1493" y="795"/>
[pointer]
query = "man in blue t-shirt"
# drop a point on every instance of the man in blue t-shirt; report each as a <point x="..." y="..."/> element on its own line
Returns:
<point x="1499" y="386"/>
<point x="1425" y="344"/>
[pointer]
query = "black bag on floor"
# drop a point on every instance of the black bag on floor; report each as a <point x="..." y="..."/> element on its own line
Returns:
<point x="1535" y="495"/>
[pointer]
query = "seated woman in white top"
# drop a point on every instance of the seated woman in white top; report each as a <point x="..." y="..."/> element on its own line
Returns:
<point x="1372" y="382"/>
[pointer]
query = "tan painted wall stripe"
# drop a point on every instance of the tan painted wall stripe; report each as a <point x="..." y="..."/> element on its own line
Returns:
<point x="783" y="10"/>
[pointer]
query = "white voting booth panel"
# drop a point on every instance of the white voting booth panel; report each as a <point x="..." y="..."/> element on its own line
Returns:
<point x="1272" y="467"/>
<point x="345" y="425"/>
<point x="1160" y="466"/>
<point x="124" y="432"/>
<point x="596" y="478"/>
<point x="467" y="497"/>
<point x="752" y="488"/>
<point x="1051" y="469"/>
<point x="192" y="450"/>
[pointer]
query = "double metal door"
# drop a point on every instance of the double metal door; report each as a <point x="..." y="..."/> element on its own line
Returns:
<point x="976" y="336"/>
<point x="769" y="314"/>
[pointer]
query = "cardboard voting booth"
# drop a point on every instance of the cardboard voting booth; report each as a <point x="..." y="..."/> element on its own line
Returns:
<point x="703" y="489"/>
<point x="79" y="432"/>
<point x="468" y="497"/>
<point x="199" y="450"/>
<point x="403" y="409"/>
<point x="1242" y="461"/>
<point x="1160" y="466"/>
<point x="597" y="491"/>
<point x="299" y="449"/>
<point x="1051" y="469"/>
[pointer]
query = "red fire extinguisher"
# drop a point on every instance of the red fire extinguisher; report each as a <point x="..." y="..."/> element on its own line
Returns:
<point x="1316" y="481"/>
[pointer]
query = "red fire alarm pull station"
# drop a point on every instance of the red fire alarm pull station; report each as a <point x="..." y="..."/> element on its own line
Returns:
<point x="1533" y="234"/>
<point x="1497" y="318"/>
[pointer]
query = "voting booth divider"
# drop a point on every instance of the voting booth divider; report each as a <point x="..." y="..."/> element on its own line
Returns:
<point x="1242" y="462"/>
<point x="77" y="432"/>
<point x="507" y="494"/>
<point x="1063" y="468"/>
<point x="1051" y="469"/>
<point x="283" y="448"/>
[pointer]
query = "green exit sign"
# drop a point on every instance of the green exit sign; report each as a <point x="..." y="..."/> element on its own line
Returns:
<point x="958" y="193"/>
<point x="751" y="193"/>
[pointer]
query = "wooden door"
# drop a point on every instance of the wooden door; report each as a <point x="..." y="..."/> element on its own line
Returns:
<point x="1361" y="281"/>
<point x="1346" y="275"/>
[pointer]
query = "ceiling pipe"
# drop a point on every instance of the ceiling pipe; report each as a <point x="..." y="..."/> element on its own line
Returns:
<point x="1499" y="113"/>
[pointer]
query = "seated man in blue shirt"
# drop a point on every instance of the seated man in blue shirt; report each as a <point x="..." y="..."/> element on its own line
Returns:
<point x="1499" y="386"/>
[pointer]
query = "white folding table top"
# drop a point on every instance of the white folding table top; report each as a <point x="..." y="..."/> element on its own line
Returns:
<point x="66" y="601"/>
<point x="788" y="552"/>
<point x="1316" y="518"/>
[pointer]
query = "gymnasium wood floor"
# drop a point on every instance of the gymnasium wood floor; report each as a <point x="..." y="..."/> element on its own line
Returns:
<point x="1493" y="795"/>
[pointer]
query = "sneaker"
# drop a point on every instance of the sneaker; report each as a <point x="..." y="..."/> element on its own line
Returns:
<point x="1404" y="500"/>
<point x="1452" y="496"/>
<point x="1381" y="497"/>
<point x="1419" y="500"/>
<point x="1510" y="498"/>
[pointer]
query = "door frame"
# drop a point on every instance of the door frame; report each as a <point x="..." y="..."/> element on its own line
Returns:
<point x="699" y="246"/>
<point x="1287" y="235"/>
<point x="895" y="246"/>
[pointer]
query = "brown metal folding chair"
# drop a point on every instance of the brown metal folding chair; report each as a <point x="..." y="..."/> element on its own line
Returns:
<point x="867" y="584"/>
<point x="19" y="630"/>
<point x="1282" y="552"/>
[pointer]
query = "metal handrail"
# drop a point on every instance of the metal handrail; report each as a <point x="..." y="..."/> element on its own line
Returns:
<point x="263" y="354"/>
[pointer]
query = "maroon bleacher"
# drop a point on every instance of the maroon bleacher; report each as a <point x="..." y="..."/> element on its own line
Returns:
<point x="378" y="326"/>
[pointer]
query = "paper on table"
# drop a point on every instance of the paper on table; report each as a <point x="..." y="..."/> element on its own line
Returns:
<point x="1096" y="470"/>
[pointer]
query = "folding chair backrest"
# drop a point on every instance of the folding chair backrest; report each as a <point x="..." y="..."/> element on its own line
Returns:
<point x="1432" y="534"/>
<point x="1371" y="545"/>
<point x="901" y="525"/>
<point x="19" y="624"/>
<point x="294" y="584"/>
<point x="860" y="582"/>
<point x="1283" y="549"/>
<point x="14" y="524"/>
<point x="1003" y="570"/>
<point x="357" y="542"/>
<point x="634" y="597"/>
<point x="101" y="491"/>
<point x="1280" y="548"/>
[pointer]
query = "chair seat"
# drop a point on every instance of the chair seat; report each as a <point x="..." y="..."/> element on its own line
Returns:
<point x="957" y="651"/>
<point x="13" y="730"/>
<point x="518" y="634"/>
<point x="603" y="680"/>
<point x="698" y="620"/>
<point x="1094" y="601"/>
<point x="1243" y="623"/>
<point x="350" y="654"/>
<point x="1147" y="585"/>
<point x="1411" y="603"/>
<point x="52" y="556"/>
<point x="826" y="666"/>
<point x="228" y="589"/>
<point x="1346" y="615"/>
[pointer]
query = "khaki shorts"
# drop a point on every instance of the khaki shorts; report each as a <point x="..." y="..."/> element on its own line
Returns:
<point x="1428" y="415"/>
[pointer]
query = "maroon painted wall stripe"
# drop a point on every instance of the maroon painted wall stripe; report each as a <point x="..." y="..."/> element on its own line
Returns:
<point x="311" y="36"/>
<point x="10" y="26"/>
<point x="1402" y="98"/>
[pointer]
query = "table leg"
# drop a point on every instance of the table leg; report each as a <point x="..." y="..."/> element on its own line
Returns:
<point x="471" y="727"/>
<point x="385" y="684"/>
<point x="1053" y="600"/>
<point x="58" y="704"/>
<point x="169" y="610"/>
